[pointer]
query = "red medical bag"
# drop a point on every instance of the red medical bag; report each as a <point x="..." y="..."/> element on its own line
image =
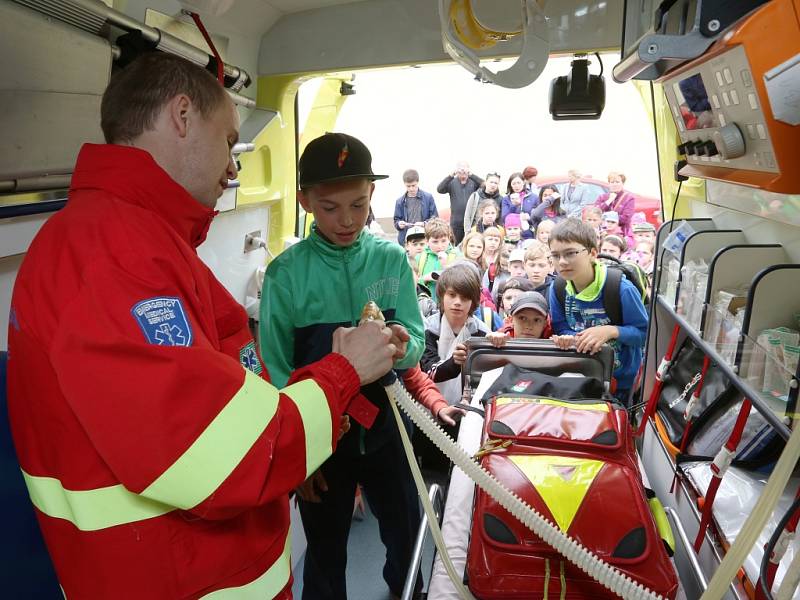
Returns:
<point x="575" y="463"/>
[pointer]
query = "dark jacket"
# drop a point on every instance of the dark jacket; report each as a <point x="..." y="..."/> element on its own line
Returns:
<point x="459" y="194"/>
<point x="401" y="214"/>
<point x="442" y="370"/>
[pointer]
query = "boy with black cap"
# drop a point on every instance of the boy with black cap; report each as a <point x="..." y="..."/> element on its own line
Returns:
<point x="311" y="289"/>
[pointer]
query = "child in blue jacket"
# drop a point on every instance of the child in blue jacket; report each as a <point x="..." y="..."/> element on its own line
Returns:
<point x="582" y="321"/>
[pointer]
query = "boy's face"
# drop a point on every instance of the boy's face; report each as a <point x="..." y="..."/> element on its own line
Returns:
<point x="411" y="188"/>
<point x="438" y="244"/>
<point x="516" y="268"/>
<point x="644" y="236"/>
<point x="489" y="215"/>
<point x="594" y="220"/>
<point x="504" y="261"/>
<point x="645" y="252"/>
<point x="512" y="233"/>
<point x="528" y="323"/>
<point x="543" y="231"/>
<point x="610" y="249"/>
<point x="415" y="246"/>
<point x="572" y="260"/>
<point x="509" y="296"/>
<point x="611" y="227"/>
<point x="536" y="270"/>
<point x="456" y="307"/>
<point x="340" y="208"/>
<point x="492" y="243"/>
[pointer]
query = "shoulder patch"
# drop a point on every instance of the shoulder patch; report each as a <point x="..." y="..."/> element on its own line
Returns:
<point x="248" y="357"/>
<point x="163" y="321"/>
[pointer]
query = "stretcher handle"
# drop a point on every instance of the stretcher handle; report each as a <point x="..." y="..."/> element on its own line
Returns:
<point x="435" y="495"/>
<point x="694" y="562"/>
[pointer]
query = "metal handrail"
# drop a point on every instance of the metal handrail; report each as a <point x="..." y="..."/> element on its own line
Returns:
<point x="436" y="497"/>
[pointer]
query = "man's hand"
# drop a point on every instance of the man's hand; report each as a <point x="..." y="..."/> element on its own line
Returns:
<point x="399" y="339"/>
<point x="368" y="348"/>
<point x="592" y="339"/>
<point x="402" y="224"/>
<point x="449" y="414"/>
<point x="497" y="338"/>
<point x="563" y="342"/>
<point x="460" y="354"/>
<point x="308" y="490"/>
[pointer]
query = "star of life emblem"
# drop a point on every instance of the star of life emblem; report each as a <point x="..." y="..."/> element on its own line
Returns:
<point x="248" y="357"/>
<point x="163" y="321"/>
<point x="521" y="386"/>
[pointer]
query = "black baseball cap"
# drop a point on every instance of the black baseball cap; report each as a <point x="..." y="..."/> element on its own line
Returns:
<point x="335" y="157"/>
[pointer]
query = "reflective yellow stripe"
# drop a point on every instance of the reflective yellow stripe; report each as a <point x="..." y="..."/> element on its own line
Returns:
<point x="218" y="450"/>
<point x="599" y="406"/>
<point x="266" y="586"/>
<point x="91" y="510"/>
<point x="310" y="400"/>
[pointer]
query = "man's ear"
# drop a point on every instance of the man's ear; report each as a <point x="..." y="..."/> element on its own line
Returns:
<point x="304" y="200"/>
<point x="371" y="189"/>
<point x="179" y="111"/>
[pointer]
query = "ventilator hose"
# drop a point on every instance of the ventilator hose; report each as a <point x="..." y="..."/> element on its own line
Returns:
<point x="605" y="574"/>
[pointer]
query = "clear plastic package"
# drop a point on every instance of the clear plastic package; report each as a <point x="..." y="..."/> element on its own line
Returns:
<point x="675" y="240"/>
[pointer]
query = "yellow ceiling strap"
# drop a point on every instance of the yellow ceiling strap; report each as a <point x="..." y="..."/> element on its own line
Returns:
<point x="472" y="33"/>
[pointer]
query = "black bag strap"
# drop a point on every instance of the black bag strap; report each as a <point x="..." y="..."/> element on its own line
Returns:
<point x="611" y="296"/>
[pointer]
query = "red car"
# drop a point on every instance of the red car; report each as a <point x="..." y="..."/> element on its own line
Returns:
<point x="650" y="206"/>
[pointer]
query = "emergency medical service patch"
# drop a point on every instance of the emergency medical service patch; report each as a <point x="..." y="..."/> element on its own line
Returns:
<point x="249" y="358"/>
<point x="163" y="321"/>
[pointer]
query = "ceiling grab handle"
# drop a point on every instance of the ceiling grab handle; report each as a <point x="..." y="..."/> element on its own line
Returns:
<point x="531" y="61"/>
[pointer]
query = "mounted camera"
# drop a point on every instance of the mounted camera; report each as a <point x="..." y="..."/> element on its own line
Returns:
<point x="578" y="95"/>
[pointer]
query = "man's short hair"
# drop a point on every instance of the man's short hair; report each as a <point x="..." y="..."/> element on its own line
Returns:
<point x="135" y="96"/>
<point x="574" y="231"/>
<point x="436" y="228"/>
<point x="410" y="176"/>
<point x="464" y="280"/>
<point x="536" y="250"/>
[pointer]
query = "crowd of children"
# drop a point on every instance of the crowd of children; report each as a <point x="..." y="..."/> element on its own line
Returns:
<point x="504" y="282"/>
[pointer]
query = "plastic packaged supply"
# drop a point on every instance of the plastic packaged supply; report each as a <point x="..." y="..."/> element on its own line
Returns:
<point x="693" y="291"/>
<point x="671" y="279"/>
<point x="675" y="240"/>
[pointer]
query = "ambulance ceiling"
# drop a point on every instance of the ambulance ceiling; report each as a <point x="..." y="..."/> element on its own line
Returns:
<point x="326" y="35"/>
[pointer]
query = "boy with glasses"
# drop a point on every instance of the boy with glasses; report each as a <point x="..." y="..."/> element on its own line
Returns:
<point x="582" y="319"/>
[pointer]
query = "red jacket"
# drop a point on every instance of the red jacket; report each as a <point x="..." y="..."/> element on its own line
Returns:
<point x="423" y="390"/>
<point x="158" y="456"/>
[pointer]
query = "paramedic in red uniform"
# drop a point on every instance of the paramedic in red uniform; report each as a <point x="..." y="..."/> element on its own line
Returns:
<point x="155" y="451"/>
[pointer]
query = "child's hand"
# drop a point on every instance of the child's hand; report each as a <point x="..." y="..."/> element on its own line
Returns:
<point x="402" y="224"/>
<point x="497" y="338"/>
<point x="564" y="342"/>
<point x="449" y="414"/>
<point x="460" y="354"/>
<point x="400" y="339"/>
<point x="592" y="339"/>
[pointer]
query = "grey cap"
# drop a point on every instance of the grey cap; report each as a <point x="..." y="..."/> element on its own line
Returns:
<point x="532" y="300"/>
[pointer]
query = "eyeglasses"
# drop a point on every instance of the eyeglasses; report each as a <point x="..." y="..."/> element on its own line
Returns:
<point x="568" y="256"/>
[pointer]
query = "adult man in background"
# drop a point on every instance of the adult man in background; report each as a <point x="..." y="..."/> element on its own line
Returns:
<point x="155" y="450"/>
<point x="414" y="208"/>
<point x="574" y="195"/>
<point x="459" y="185"/>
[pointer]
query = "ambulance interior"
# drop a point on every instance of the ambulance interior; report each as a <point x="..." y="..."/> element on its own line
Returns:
<point x="720" y="82"/>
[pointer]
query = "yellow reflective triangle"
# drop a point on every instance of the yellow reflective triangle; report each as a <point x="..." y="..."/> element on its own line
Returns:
<point x="561" y="481"/>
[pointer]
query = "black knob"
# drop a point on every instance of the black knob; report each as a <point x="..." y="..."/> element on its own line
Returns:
<point x="711" y="148"/>
<point x="681" y="149"/>
<point x="690" y="148"/>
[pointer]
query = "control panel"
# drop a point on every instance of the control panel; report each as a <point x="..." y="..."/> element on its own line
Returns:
<point x="719" y="115"/>
<point x="736" y="106"/>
